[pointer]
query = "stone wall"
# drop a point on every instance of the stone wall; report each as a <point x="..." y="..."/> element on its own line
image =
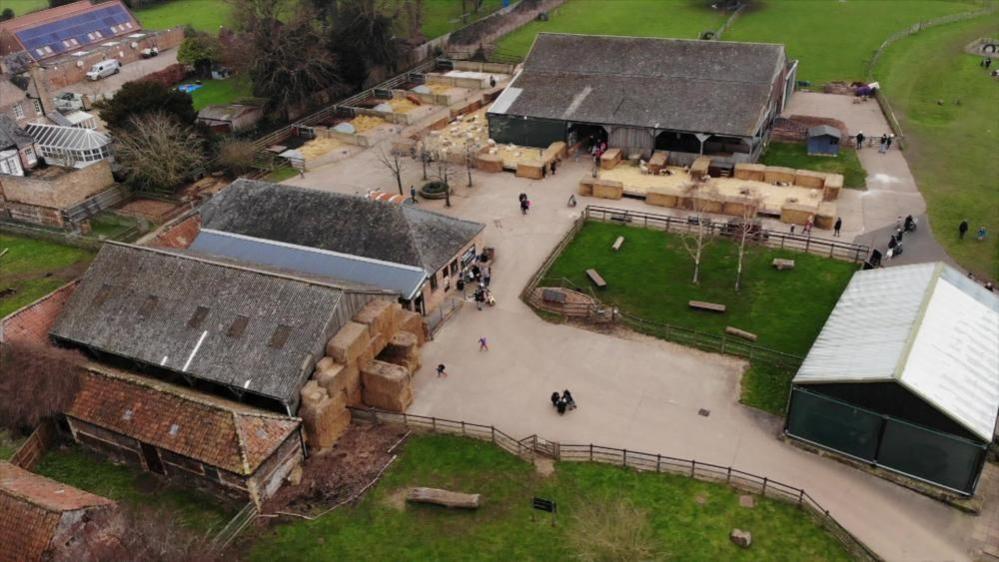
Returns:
<point x="57" y="190"/>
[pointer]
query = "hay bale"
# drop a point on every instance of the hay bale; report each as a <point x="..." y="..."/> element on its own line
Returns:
<point x="832" y="187"/>
<point x="793" y="213"/>
<point x="349" y="343"/>
<point x="325" y="423"/>
<point x="809" y="179"/>
<point x="338" y="378"/>
<point x="380" y="316"/>
<point x="661" y="197"/>
<point x="699" y="168"/>
<point x="530" y="170"/>
<point x="394" y="402"/>
<point x="324" y="364"/>
<point x="778" y="174"/>
<point x="491" y="163"/>
<point x="380" y="376"/>
<point x="402" y="344"/>
<point x="411" y="363"/>
<point x="312" y="394"/>
<point x="610" y="159"/>
<point x="413" y="323"/>
<point x="608" y="189"/>
<point x="752" y="172"/>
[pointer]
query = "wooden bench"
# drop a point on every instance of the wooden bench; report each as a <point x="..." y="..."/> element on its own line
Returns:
<point x="596" y="278"/>
<point x="741" y="333"/>
<point x="617" y="243"/>
<point x="711" y="306"/>
<point x="781" y="264"/>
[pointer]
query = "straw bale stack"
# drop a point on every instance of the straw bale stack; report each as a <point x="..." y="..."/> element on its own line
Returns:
<point x="386" y="386"/>
<point x="413" y="323"/>
<point x="325" y="417"/>
<point x="832" y="187"/>
<point x="380" y="316"/>
<point x="337" y="377"/>
<point x="810" y="179"/>
<point x="777" y="174"/>
<point x="349" y="343"/>
<point x="403" y="350"/>
<point x="748" y="171"/>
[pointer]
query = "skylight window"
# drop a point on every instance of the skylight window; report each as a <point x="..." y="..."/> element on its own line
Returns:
<point x="148" y="306"/>
<point x="238" y="326"/>
<point x="280" y="336"/>
<point x="198" y="318"/>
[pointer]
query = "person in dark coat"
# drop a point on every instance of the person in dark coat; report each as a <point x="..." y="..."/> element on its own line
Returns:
<point x="892" y="242"/>
<point x="555" y="398"/>
<point x="561" y="406"/>
<point x="837" y="226"/>
<point x="860" y="140"/>
<point x="524" y="205"/>
<point x="480" y="297"/>
<point x="962" y="229"/>
<point x="567" y="397"/>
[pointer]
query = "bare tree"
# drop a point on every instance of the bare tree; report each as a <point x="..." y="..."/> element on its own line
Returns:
<point x="237" y="156"/>
<point x="443" y="173"/>
<point x="157" y="152"/>
<point x="424" y="155"/>
<point x="699" y="230"/>
<point x="470" y="152"/>
<point x="36" y="381"/>
<point x="746" y="227"/>
<point x="393" y="162"/>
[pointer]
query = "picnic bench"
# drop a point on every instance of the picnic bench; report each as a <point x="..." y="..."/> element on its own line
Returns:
<point x="781" y="264"/>
<point x="710" y="306"/>
<point x="741" y="333"/>
<point x="617" y="243"/>
<point x="596" y="278"/>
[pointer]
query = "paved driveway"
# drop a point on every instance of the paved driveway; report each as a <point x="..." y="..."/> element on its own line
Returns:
<point x="633" y="392"/>
<point x="107" y="87"/>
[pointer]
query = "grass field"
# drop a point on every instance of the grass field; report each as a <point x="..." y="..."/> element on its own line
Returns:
<point x="833" y="40"/>
<point x="215" y="92"/>
<point x="382" y="527"/>
<point x="663" y="18"/>
<point x="203" y="15"/>
<point x="78" y="468"/>
<point x="793" y="155"/>
<point x="444" y="16"/>
<point x="9" y="444"/>
<point x="34" y="268"/>
<point x="651" y="278"/>
<point x="951" y="148"/>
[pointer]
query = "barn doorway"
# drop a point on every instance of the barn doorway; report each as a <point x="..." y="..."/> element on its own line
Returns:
<point x="152" y="459"/>
<point x="586" y="135"/>
<point x="674" y="141"/>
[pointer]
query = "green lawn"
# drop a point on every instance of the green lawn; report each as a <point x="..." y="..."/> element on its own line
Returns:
<point x="281" y="174"/>
<point x="951" y="148"/>
<point x="443" y="16"/>
<point x="643" y="18"/>
<point x="794" y="155"/>
<point x="203" y="15"/>
<point x="9" y="443"/>
<point x="79" y="468"/>
<point x="382" y="527"/>
<point x="34" y="268"/>
<point x="108" y="225"/>
<point x="834" y="39"/>
<point x="651" y="278"/>
<point x="22" y="7"/>
<point x="215" y="92"/>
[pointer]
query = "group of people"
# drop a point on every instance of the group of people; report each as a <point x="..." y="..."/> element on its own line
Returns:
<point x="886" y="140"/>
<point x="962" y="229"/>
<point x="563" y="402"/>
<point x="908" y="224"/>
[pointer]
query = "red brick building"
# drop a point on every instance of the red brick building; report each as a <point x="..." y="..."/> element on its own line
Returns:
<point x="41" y="519"/>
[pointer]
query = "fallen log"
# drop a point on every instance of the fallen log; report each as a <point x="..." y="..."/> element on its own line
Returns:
<point x="444" y="498"/>
<point x="741" y="333"/>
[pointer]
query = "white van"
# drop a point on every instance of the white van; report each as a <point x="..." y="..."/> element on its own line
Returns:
<point x="104" y="69"/>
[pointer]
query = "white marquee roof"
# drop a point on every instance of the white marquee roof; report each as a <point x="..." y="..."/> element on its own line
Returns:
<point x="924" y="326"/>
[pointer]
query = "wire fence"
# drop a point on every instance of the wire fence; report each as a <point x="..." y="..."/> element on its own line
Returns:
<point x="532" y="446"/>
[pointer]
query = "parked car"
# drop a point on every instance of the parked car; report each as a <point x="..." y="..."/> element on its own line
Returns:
<point x="104" y="69"/>
<point x="150" y="52"/>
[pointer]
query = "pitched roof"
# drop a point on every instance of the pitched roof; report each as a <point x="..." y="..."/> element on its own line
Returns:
<point x="30" y="509"/>
<point x="13" y="135"/>
<point x="924" y="326"/>
<point x="68" y="138"/>
<point x="241" y="327"/>
<point x="48" y="33"/>
<point x="10" y="93"/>
<point x="217" y="432"/>
<point x="696" y="86"/>
<point x="339" y="223"/>
<point x="824" y="130"/>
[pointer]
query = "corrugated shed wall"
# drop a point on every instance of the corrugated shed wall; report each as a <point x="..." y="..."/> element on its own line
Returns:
<point x="631" y="140"/>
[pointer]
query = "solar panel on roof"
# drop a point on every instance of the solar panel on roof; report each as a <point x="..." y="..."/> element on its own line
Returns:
<point x="87" y="27"/>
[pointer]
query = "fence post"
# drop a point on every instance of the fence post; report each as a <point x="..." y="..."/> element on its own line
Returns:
<point x="433" y="423"/>
<point x="624" y="458"/>
<point x="831" y="248"/>
<point x="492" y="433"/>
<point x="591" y="452"/>
<point x="808" y="242"/>
<point x="728" y="477"/>
<point x="782" y="238"/>
<point x="801" y="497"/>
<point x="693" y="465"/>
<point x="405" y="420"/>
<point x="463" y="428"/>
<point x="764" y="492"/>
<point x="724" y="338"/>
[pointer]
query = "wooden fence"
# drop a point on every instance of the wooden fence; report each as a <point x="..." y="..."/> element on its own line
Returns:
<point x="34" y="448"/>
<point x="530" y="447"/>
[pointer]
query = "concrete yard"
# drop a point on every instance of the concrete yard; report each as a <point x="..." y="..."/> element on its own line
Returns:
<point x="633" y="392"/>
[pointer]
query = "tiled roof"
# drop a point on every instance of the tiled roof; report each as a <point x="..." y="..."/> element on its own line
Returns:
<point x="217" y="432"/>
<point x="30" y="509"/>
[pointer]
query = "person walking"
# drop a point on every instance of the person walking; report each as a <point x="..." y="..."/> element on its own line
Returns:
<point x="483" y="345"/>
<point x="412" y="193"/>
<point x="525" y="204"/>
<point x="884" y="144"/>
<point x="555" y="398"/>
<point x="962" y="229"/>
<point x="860" y="140"/>
<point x="487" y="275"/>
<point x="441" y="371"/>
<point x="837" y="226"/>
<point x="982" y="233"/>
<point x="569" y="401"/>
<point x="890" y="138"/>
<point x="480" y="297"/>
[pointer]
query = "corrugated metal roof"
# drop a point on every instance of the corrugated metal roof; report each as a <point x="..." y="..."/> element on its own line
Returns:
<point x="924" y="326"/>
<point x="69" y="138"/>
<point x="403" y="279"/>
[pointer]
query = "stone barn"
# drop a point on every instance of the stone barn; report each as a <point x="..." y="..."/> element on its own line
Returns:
<point x="225" y="448"/>
<point x="41" y="519"/>
<point x="905" y="376"/>
<point x="686" y="97"/>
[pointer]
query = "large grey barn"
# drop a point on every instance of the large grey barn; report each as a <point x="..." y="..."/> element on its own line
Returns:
<point x="641" y="94"/>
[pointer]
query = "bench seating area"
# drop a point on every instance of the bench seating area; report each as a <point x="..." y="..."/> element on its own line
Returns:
<point x="617" y="243"/>
<point x="596" y="278"/>
<point x="781" y="264"/>
<point x="709" y="306"/>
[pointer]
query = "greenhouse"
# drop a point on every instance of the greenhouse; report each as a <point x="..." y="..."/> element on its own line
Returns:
<point x="72" y="147"/>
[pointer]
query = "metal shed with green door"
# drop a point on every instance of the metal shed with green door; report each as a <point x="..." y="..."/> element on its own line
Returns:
<point x="905" y="375"/>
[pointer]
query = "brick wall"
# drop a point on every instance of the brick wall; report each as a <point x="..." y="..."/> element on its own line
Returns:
<point x="31" y="324"/>
<point x="432" y="298"/>
<point x="58" y="191"/>
<point x="180" y="235"/>
<point x="64" y="72"/>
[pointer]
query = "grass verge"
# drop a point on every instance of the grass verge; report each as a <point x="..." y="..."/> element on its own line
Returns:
<point x="947" y="106"/>
<point x="34" y="268"/>
<point x="794" y="155"/>
<point x="685" y="519"/>
<point x="82" y="470"/>
<point x="216" y="92"/>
